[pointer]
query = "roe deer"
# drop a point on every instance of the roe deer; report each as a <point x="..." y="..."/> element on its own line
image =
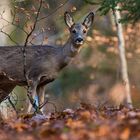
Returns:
<point x="43" y="62"/>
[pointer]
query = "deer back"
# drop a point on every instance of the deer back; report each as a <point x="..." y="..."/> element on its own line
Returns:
<point x="40" y="60"/>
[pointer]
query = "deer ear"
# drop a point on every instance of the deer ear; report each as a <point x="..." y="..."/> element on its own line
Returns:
<point x="68" y="19"/>
<point x="89" y="20"/>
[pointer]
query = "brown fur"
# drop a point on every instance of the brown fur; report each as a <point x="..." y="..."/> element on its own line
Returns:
<point x="42" y="62"/>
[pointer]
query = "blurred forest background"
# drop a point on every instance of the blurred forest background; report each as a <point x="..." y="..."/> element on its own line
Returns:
<point x="94" y="76"/>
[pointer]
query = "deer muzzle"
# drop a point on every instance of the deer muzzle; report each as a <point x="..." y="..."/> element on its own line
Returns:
<point x="79" y="41"/>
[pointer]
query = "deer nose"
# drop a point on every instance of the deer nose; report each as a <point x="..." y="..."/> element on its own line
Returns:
<point x="79" y="39"/>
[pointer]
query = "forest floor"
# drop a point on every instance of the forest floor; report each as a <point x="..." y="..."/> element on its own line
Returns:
<point x="85" y="123"/>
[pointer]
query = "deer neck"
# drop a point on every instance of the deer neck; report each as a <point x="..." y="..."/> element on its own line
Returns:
<point x="70" y="50"/>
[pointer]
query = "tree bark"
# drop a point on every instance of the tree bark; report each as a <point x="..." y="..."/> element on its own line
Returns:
<point x="121" y="47"/>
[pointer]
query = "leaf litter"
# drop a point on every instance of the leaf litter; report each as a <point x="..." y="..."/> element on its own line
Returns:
<point x="84" y="123"/>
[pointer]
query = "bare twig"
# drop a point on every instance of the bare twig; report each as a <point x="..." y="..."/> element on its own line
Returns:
<point x="43" y="104"/>
<point x="55" y="10"/>
<point x="24" y="57"/>
<point x="50" y="14"/>
<point x="35" y="36"/>
<point x="9" y="37"/>
<point x="12" y="23"/>
<point x="34" y="26"/>
<point x="48" y="102"/>
<point x="12" y="105"/>
<point x="32" y="101"/>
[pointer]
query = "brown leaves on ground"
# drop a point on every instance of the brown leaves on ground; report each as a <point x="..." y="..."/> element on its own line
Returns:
<point x="85" y="123"/>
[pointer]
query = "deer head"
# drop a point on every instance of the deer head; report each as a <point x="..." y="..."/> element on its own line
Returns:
<point x="78" y="31"/>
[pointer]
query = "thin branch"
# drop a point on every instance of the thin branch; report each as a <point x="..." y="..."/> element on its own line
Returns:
<point x="24" y="57"/>
<point x="12" y="105"/>
<point x="43" y="104"/>
<point x="38" y="34"/>
<point x="27" y="39"/>
<point x="50" y="14"/>
<point x="9" y="37"/>
<point x="35" y="23"/>
<point x="12" y="23"/>
<point x="54" y="11"/>
<point x="32" y="101"/>
<point x="48" y="102"/>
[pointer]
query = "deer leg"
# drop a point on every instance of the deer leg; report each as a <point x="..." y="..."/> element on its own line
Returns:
<point x="31" y="95"/>
<point x="41" y="95"/>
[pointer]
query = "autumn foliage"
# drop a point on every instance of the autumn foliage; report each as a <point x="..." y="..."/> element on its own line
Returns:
<point x="85" y="123"/>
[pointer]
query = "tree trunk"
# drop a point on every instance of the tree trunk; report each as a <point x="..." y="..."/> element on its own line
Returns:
<point x="123" y="60"/>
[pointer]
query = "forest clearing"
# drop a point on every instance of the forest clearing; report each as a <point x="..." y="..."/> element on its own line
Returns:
<point x="69" y="70"/>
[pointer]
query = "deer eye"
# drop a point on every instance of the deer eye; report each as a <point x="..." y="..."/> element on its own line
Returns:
<point x="84" y="31"/>
<point x="74" y="31"/>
